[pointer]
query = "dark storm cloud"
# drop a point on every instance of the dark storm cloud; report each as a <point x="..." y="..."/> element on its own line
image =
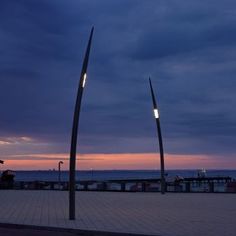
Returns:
<point x="187" y="47"/>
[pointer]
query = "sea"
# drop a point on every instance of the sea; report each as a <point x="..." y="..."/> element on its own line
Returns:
<point x="99" y="175"/>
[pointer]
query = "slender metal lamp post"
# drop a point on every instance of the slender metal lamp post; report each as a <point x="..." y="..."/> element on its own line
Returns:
<point x="1" y="162"/>
<point x="82" y="81"/>
<point x="157" y="117"/>
<point x="59" y="173"/>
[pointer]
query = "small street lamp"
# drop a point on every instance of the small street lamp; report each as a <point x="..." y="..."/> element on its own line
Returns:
<point x="91" y="173"/>
<point x="59" y="172"/>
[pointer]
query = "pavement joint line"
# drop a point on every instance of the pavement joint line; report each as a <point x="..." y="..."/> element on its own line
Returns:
<point x="80" y="232"/>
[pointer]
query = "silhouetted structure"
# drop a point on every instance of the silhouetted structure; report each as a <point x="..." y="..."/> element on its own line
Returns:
<point x="7" y="179"/>
<point x="157" y="117"/>
<point x="1" y="162"/>
<point x="82" y="81"/>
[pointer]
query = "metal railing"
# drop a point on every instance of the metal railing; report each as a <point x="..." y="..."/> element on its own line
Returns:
<point x="187" y="185"/>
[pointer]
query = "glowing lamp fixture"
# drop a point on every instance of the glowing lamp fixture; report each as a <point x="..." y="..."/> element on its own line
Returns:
<point x="156" y="113"/>
<point x="84" y="80"/>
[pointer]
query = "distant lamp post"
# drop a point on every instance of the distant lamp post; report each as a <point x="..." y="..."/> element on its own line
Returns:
<point x="83" y="77"/>
<point x="59" y="173"/>
<point x="91" y="173"/>
<point x="157" y="118"/>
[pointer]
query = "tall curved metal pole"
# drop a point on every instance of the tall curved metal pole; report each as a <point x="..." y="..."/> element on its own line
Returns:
<point x="157" y="118"/>
<point x="82" y="81"/>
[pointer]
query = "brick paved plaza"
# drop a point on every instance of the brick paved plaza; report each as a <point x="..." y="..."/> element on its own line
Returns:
<point x="172" y="214"/>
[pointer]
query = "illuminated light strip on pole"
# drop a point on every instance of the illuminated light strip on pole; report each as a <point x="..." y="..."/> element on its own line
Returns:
<point x="84" y="80"/>
<point x="156" y="113"/>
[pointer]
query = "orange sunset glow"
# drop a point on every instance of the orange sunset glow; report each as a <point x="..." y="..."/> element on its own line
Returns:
<point x="126" y="161"/>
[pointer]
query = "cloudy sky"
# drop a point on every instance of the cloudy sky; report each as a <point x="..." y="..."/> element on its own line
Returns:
<point x="187" y="47"/>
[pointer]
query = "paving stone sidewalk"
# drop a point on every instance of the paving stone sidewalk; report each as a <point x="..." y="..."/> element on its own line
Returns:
<point x="172" y="214"/>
